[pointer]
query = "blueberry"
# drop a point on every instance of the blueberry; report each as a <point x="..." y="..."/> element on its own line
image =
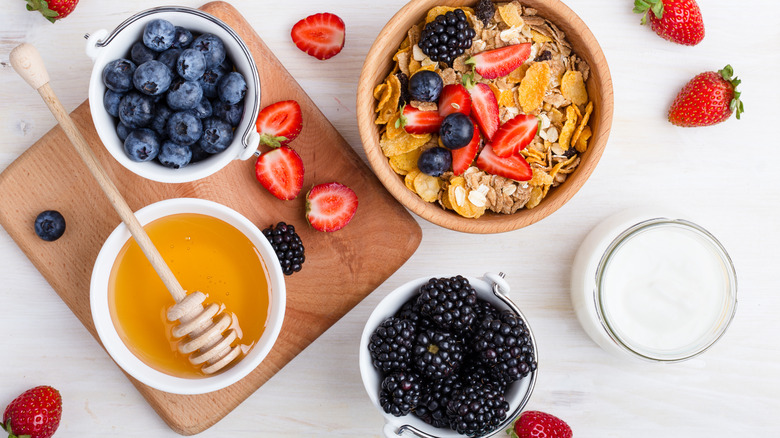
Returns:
<point x="456" y="130"/>
<point x="227" y="112"/>
<point x="152" y="78"/>
<point x="191" y="64"/>
<point x="159" y="35"/>
<point x="217" y="135"/>
<point x="209" y="81"/>
<point x="50" y="225"/>
<point x="184" y="127"/>
<point x="425" y="85"/>
<point x="227" y="65"/>
<point x="142" y="145"/>
<point x="198" y="154"/>
<point x="182" y="38"/>
<point x="161" y="115"/>
<point x="122" y="131"/>
<point x="212" y="47"/>
<point x="169" y="58"/>
<point x="136" y="110"/>
<point x="118" y="75"/>
<point x="140" y="54"/>
<point x="111" y="102"/>
<point x="435" y="161"/>
<point x="174" y="155"/>
<point x="184" y="95"/>
<point x="204" y="108"/>
<point x="232" y="88"/>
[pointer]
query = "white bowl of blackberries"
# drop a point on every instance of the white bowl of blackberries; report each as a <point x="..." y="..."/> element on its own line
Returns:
<point x="174" y="94"/>
<point x="448" y="357"/>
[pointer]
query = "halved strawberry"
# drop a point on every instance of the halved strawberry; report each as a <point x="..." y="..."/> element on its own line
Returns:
<point x="463" y="157"/>
<point x="513" y="167"/>
<point x="454" y="98"/>
<point x="330" y="206"/>
<point x="500" y="62"/>
<point x="278" y="124"/>
<point x="320" y="35"/>
<point x="484" y="108"/>
<point x="514" y="135"/>
<point x="415" y="121"/>
<point x="281" y="172"/>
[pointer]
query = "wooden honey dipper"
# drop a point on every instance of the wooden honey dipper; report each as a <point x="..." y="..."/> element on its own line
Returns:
<point x="207" y="341"/>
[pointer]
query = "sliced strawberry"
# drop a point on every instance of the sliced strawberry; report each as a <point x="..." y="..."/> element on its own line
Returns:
<point x="514" y="135"/>
<point x="278" y="124"/>
<point x="513" y="167"/>
<point x="281" y="172"/>
<point x="484" y="108"/>
<point x="329" y="207"/>
<point x="454" y="98"/>
<point x="320" y="35"/>
<point x="420" y="122"/>
<point x="500" y="62"/>
<point x="463" y="157"/>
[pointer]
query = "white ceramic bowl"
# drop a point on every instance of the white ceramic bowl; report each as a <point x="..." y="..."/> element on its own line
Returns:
<point x="135" y="366"/>
<point x="104" y="47"/>
<point x="492" y="288"/>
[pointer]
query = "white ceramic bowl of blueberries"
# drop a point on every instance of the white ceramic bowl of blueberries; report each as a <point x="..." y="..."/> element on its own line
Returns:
<point x="174" y="94"/>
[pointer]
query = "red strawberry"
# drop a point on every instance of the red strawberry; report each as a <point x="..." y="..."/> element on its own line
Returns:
<point x="536" y="424"/>
<point x="281" y="172"/>
<point x="320" y="35"/>
<point x="52" y="10"/>
<point x="484" y="108"/>
<point x="709" y="98"/>
<point x="35" y="413"/>
<point x="454" y="98"/>
<point x="678" y="21"/>
<point x="329" y="207"/>
<point x="513" y="167"/>
<point x="500" y="62"/>
<point x="514" y="135"/>
<point x="279" y="123"/>
<point x="463" y="157"/>
<point x="415" y="121"/>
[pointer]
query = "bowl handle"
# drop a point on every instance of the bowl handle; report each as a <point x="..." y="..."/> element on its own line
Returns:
<point x="498" y="280"/>
<point x="94" y="43"/>
<point x="251" y="142"/>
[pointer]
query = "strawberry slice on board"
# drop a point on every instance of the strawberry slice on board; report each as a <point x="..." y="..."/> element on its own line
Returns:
<point x="415" y="121"/>
<point x="278" y="124"/>
<point x="320" y="35"/>
<point x="454" y="98"/>
<point x="484" y="108"/>
<point x="514" y="135"/>
<point x="500" y="62"/>
<point x="513" y="167"/>
<point x="463" y="157"/>
<point x="281" y="172"/>
<point x="330" y="206"/>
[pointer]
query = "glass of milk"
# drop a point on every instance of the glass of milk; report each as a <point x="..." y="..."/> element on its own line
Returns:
<point x="653" y="287"/>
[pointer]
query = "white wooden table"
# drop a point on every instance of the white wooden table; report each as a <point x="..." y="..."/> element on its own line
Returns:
<point x="724" y="177"/>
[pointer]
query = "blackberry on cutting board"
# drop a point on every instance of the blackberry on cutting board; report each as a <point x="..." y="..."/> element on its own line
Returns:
<point x="391" y="344"/>
<point x="448" y="302"/>
<point x="436" y="354"/>
<point x="433" y="405"/>
<point x="400" y="392"/>
<point x="447" y="36"/>
<point x="503" y="344"/>
<point x="287" y="245"/>
<point x="476" y="410"/>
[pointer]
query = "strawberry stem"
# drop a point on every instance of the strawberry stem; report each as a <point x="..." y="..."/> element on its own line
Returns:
<point x="43" y="7"/>
<point x="272" y="141"/>
<point x="401" y="121"/>
<point x="736" y="105"/>
<point x="643" y="6"/>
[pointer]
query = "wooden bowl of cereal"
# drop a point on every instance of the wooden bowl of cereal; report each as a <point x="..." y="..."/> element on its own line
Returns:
<point x="538" y="97"/>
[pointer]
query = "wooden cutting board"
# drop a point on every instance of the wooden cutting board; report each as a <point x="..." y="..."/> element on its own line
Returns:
<point x="341" y="268"/>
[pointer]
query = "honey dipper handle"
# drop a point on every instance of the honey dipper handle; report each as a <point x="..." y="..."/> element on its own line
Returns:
<point x="26" y="60"/>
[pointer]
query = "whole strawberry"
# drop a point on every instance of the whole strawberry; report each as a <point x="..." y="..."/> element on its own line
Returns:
<point x="536" y="424"/>
<point x="678" y="21"/>
<point x="52" y="10"/>
<point x="709" y="98"/>
<point x="36" y="413"/>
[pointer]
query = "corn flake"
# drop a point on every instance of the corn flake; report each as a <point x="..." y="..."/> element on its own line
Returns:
<point x="537" y="193"/>
<point x="583" y="123"/>
<point x="511" y="15"/>
<point x="540" y="178"/>
<point x="406" y="162"/>
<point x="517" y="75"/>
<point x="573" y="87"/>
<point x="409" y="179"/>
<point x="402" y="144"/>
<point x="427" y="187"/>
<point x="530" y="94"/>
<point x="568" y="128"/>
<point x="539" y="37"/>
<point x="582" y="141"/>
<point x="458" y="199"/>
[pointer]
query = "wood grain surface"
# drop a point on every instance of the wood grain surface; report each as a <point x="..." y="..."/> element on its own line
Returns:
<point x="341" y="268"/>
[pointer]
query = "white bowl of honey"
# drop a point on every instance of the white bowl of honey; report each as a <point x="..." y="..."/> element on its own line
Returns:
<point x="210" y="248"/>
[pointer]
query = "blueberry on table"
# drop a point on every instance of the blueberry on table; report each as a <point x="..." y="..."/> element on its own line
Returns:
<point x="191" y="64"/>
<point x="159" y="35"/>
<point x="142" y="145"/>
<point x="425" y="85"/>
<point x="111" y="102"/>
<point x="152" y="78"/>
<point x="210" y="79"/>
<point x="182" y="38"/>
<point x="184" y="95"/>
<point x="204" y="108"/>
<point x="184" y="127"/>
<point x="227" y="112"/>
<point x="169" y="58"/>
<point x="435" y="161"/>
<point x="50" y="225"/>
<point x="212" y="48"/>
<point x="118" y="75"/>
<point x="136" y="110"/>
<point x="174" y="155"/>
<point x="456" y="130"/>
<point x="140" y="54"/>
<point x="217" y="135"/>
<point x="122" y="131"/>
<point x="232" y="88"/>
<point x="161" y="115"/>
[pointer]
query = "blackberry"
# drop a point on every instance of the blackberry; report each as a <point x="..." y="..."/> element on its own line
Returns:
<point x="447" y="36"/>
<point x="404" y="80"/>
<point x="433" y="406"/>
<point x="448" y="302"/>
<point x="476" y="373"/>
<point x="400" y="392"/>
<point x="409" y="311"/>
<point x="476" y="410"/>
<point x="436" y="354"/>
<point x="503" y="344"/>
<point x="287" y="245"/>
<point x="485" y="11"/>
<point x="391" y="344"/>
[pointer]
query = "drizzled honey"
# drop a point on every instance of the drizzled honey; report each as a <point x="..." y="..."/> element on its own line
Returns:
<point x="205" y="254"/>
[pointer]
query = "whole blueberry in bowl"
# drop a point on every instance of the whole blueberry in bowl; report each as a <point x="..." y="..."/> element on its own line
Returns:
<point x="184" y="127"/>
<point x="174" y="155"/>
<point x="142" y="145"/>
<point x="169" y="57"/>
<point x="191" y="64"/>
<point x="159" y="35"/>
<point x="425" y="85"/>
<point x="118" y="75"/>
<point x="152" y="78"/>
<point x="231" y="88"/>
<point x="456" y="130"/>
<point x="217" y="135"/>
<point x="184" y="95"/>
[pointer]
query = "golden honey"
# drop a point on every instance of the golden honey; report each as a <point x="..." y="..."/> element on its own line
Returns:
<point x="205" y="254"/>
